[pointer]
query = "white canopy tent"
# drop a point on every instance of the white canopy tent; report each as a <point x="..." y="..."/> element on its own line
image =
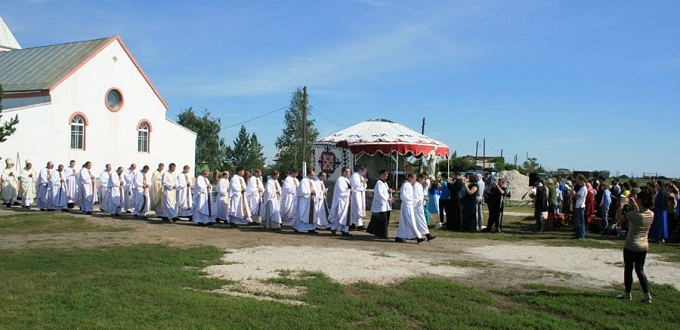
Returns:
<point x="375" y="142"/>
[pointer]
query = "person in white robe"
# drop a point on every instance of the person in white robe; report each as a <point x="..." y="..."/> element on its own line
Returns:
<point x="27" y="185"/>
<point x="306" y="199"/>
<point x="116" y="192"/>
<point x="43" y="195"/>
<point x="407" y="219"/>
<point x="70" y="180"/>
<point x="204" y="209"/>
<point x="358" y="181"/>
<point x="57" y="189"/>
<point x="86" y="189"/>
<point x="129" y="178"/>
<point x="239" y="207"/>
<point x="156" y="190"/>
<point x="103" y="188"/>
<point x="170" y="194"/>
<point x="420" y="201"/>
<point x="142" y="201"/>
<point x="9" y="181"/>
<point x="222" y="202"/>
<point x="322" y="204"/>
<point x="254" y="191"/>
<point x="340" y="214"/>
<point x="184" y="200"/>
<point x="381" y="207"/>
<point x="288" y="190"/>
<point x="271" y="215"/>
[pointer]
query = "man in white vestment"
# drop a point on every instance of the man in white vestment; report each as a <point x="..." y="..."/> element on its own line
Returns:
<point x="358" y="181"/>
<point x="142" y="201"/>
<point x="322" y="204"/>
<point x="204" y="210"/>
<point x="381" y="207"/>
<point x="43" y="193"/>
<point x="27" y="185"/>
<point x="184" y="200"/>
<point x="419" y="206"/>
<point x="340" y="214"/>
<point x="57" y="189"/>
<point x="70" y="176"/>
<point x="129" y="178"/>
<point x="271" y="216"/>
<point x="170" y="194"/>
<point x="86" y="189"/>
<point x="103" y="188"/>
<point x="288" y="190"/>
<point x="407" y="221"/>
<point x="156" y="190"/>
<point x="239" y="207"/>
<point x="222" y="202"/>
<point x="254" y="191"/>
<point x="10" y="183"/>
<point x="116" y="192"/>
<point x="306" y="213"/>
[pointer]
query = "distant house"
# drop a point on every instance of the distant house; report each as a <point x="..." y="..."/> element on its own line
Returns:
<point x="86" y="101"/>
<point x="482" y="163"/>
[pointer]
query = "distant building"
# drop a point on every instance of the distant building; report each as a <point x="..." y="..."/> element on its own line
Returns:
<point x="87" y="100"/>
<point x="483" y="163"/>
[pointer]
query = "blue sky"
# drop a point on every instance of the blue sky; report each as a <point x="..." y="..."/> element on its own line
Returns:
<point x="584" y="85"/>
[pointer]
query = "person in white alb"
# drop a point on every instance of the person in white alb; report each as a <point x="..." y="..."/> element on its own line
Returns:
<point x="116" y="192"/>
<point x="9" y="179"/>
<point x="57" y="189"/>
<point x="254" y="191"/>
<point x="27" y="185"/>
<point x="239" y="207"/>
<point x="321" y="204"/>
<point x="271" y="216"/>
<point x="103" y="188"/>
<point x="222" y="203"/>
<point x="170" y="194"/>
<point x="142" y="201"/>
<point x="204" y="210"/>
<point x="358" y="181"/>
<point x="407" y="219"/>
<point x="156" y="191"/>
<point x="70" y="180"/>
<point x="86" y="189"/>
<point x="129" y="178"/>
<point x="340" y="214"/>
<point x="288" y="190"/>
<point x="184" y="199"/>
<point x="419" y="202"/>
<point x="306" y="199"/>
<point x="42" y="187"/>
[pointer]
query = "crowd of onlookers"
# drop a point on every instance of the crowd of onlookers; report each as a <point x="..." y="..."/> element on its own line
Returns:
<point x="577" y="201"/>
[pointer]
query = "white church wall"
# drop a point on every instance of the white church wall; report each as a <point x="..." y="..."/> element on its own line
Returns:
<point x="111" y="137"/>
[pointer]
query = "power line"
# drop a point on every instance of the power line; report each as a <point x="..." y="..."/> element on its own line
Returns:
<point x="258" y="117"/>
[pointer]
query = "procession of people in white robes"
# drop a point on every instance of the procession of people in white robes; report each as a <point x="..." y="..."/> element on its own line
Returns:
<point x="240" y="199"/>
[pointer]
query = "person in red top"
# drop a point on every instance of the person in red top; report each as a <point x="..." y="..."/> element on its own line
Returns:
<point x="590" y="204"/>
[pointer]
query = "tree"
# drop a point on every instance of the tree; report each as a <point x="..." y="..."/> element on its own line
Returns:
<point x="460" y="164"/>
<point x="290" y="143"/>
<point x="9" y="127"/>
<point x="246" y="152"/>
<point x="209" y="146"/>
<point x="531" y="165"/>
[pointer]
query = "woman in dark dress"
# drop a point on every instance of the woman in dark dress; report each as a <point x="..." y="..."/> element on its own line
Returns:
<point x="470" y="205"/>
<point x="494" y="201"/>
<point x="659" y="230"/>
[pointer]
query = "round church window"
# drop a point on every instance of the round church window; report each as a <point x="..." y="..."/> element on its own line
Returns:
<point x="114" y="100"/>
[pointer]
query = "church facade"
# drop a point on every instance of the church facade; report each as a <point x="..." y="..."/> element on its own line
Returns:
<point x="88" y="101"/>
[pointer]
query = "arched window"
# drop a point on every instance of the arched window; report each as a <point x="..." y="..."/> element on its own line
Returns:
<point x="78" y="132"/>
<point x="143" y="137"/>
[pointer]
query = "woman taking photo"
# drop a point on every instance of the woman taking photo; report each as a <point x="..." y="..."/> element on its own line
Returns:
<point x="470" y="205"/>
<point x="639" y="218"/>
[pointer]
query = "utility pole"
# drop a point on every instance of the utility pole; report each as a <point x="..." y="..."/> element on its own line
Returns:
<point x="476" y="152"/>
<point x="484" y="156"/>
<point x="304" y="131"/>
<point x="422" y="131"/>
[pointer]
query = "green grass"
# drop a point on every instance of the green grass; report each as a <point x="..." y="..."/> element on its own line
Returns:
<point x="49" y="223"/>
<point x="156" y="286"/>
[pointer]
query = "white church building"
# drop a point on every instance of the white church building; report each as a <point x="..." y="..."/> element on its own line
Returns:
<point x="86" y="101"/>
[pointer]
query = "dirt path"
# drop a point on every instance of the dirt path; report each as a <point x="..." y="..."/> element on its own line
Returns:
<point x="479" y="262"/>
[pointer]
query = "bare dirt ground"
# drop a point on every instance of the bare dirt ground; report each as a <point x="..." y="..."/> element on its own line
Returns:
<point x="253" y="255"/>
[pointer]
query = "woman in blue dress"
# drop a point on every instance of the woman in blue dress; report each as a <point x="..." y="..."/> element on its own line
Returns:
<point x="659" y="230"/>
